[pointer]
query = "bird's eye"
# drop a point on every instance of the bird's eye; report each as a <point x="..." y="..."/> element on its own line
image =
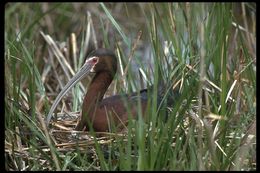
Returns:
<point x="94" y="60"/>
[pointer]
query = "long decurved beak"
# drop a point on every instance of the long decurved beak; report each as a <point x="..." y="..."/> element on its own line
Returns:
<point x="85" y="69"/>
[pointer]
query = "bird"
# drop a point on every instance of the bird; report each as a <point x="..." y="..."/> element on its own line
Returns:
<point x="97" y="112"/>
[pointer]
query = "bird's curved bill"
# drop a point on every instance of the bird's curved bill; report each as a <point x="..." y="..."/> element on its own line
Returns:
<point x="85" y="69"/>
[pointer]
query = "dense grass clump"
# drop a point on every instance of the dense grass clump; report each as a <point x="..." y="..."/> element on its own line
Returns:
<point x="203" y="53"/>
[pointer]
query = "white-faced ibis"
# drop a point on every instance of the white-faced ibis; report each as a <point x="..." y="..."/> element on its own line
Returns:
<point x="97" y="111"/>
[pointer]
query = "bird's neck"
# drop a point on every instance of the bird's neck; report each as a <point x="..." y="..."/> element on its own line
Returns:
<point x="96" y="90"/>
